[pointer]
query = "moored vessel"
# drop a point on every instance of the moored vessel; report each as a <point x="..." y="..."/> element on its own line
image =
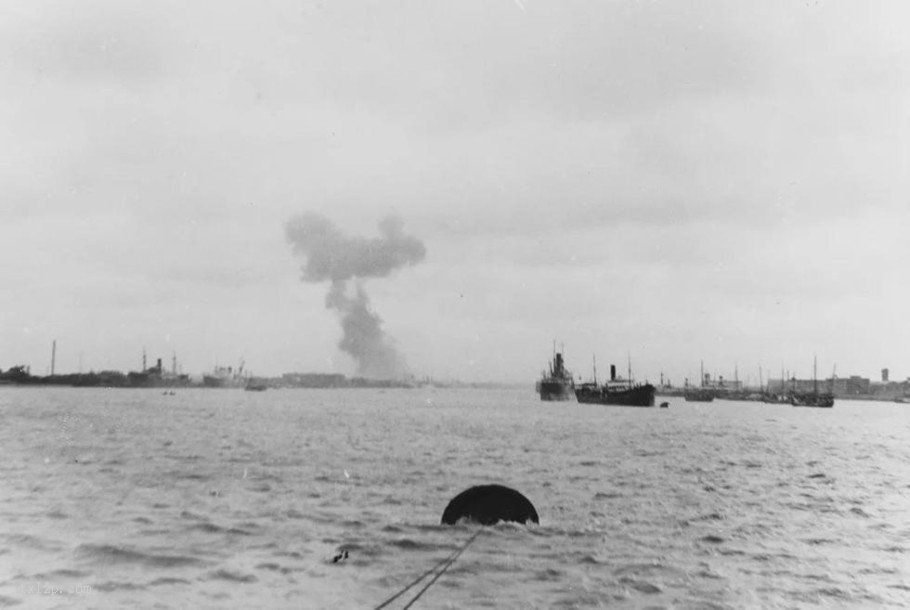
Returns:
<point x="556" y="383"/>
<point x="226" y="377"/>
<point x="617" y="392"/>
<point x="256" y="385"/>
<point x="699" y="394"/>
<point x="813" y="398"/>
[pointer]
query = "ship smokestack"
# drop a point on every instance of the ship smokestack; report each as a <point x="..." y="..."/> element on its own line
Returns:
<point x="612" y="372"/>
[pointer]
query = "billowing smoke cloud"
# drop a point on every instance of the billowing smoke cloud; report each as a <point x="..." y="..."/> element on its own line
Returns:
<point x="346" y="262"/>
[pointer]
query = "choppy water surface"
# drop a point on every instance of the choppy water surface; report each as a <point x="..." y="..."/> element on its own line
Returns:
<point x="220" y="498"/>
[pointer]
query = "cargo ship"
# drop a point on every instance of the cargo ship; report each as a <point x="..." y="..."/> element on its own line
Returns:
<point x="699" y="394"/>
<point x="556" y="383"/>
<point x="226" y="377"/>
<point x="617" y="392"/>
<point x="157" y="376"/>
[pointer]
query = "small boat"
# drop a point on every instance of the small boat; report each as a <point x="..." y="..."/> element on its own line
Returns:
<point x="813" y="398"/>
<point x="256" y="386"/>
<point x="775" y="399"/>
<point x="781" y="397"/>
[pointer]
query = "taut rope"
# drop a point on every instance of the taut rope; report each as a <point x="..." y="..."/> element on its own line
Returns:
<point x="442" y="566"/>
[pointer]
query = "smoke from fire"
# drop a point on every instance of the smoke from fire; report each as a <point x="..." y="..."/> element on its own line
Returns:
<point x="346" y="262"/>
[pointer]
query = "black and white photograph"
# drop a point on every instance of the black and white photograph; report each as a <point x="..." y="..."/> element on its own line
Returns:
<point x="454" y="304"/>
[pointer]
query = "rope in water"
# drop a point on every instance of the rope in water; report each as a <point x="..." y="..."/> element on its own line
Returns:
<point x="441" y="566"/>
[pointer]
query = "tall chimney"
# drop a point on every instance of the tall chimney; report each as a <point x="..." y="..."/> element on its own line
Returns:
<point x="885" y="375"/>
<point x="612" y="372"/>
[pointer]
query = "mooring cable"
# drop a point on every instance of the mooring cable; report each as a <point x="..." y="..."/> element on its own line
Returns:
<point x="417" y="580"/>
<point x="441" y="566"/>
<point x="441" y="572"/>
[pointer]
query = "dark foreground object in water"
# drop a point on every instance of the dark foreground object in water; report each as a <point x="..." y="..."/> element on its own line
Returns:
<point x="489" y="504"/>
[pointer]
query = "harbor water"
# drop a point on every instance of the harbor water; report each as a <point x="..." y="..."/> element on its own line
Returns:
<point x="231" y="499"/>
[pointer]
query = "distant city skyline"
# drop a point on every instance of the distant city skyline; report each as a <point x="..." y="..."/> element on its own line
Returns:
<point x="751" y="378"/>
<point x="671" y="182"/>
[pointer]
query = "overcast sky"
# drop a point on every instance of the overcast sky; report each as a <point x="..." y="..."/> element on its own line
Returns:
<point x="675" y="181"/>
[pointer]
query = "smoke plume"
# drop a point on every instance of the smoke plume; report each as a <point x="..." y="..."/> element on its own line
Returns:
<point x="346" y="262"/>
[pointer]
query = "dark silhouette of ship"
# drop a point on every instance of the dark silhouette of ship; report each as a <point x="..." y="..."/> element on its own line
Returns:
<point x="256" y="385"/>
<point x="226" y="377"/>
<point x="699" y="394"/>
<point x="813" y="398"/>
<point x="773" y="397"/>
<point x="556" y="383"/>
<point x="157" y="376"/>
<point x="617" y="391"/>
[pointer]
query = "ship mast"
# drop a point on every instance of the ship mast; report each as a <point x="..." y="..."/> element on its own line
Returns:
<point x="815" y="374"/>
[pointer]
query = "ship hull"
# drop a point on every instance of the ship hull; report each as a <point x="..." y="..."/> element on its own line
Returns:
<point x="824" y="401"/>
<point x="775" y="399"/>
<point x="213" y="381"/>
<point x="557" y="383"/>
<point x="699" y="395"/>
<point x="638" y="396"/>
<point x="555" y="390"/>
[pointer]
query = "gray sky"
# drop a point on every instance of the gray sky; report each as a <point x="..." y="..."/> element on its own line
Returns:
<point x="677" y="181"/>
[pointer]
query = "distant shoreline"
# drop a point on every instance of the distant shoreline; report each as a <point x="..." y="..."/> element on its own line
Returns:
<point x="856" y="397"/>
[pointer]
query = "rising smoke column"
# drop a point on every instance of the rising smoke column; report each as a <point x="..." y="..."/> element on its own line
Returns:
<point x="346" y="262"/>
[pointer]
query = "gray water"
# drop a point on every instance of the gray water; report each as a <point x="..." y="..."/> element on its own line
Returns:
<point x="230" y="499"/>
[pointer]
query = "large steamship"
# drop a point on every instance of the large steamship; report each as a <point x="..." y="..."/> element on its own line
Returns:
<point x="616" y="391"/>
<point x="556" y="383"/>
